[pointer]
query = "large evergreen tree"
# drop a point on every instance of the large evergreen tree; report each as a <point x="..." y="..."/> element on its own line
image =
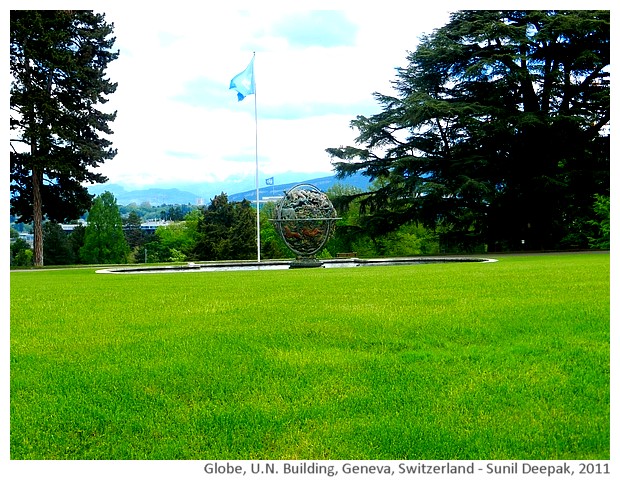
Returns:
<point x="58" y="63"/>
<point x="498" y="133"/>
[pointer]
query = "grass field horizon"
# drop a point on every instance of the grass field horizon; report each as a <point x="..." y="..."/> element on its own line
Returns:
<point x="506" y="360"/>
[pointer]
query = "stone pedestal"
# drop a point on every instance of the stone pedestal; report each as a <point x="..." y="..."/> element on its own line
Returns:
<point x="306" y="262"/>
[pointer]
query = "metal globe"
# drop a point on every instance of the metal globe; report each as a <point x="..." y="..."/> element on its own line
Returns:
<point x="305" y="219"/>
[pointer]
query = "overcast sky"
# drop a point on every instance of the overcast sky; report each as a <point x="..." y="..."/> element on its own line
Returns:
<point x="178" y="121"/>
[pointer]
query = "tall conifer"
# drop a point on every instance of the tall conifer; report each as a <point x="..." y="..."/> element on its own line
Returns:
<point x="498" y="133"/>
<point x="58" y="129"/>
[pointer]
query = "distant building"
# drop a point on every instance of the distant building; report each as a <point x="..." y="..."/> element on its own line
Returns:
<point x="152" y="225"/>
<point x="28" y="237"/>
<point x="69" y="227"/>
<point x="148" y="226"/>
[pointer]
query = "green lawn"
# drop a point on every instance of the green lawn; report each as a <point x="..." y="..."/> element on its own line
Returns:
<point x="506" y="360"/>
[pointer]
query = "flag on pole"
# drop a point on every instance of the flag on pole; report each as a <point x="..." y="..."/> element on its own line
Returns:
<point x="269" y="181"/>
<point x="244" y="82"/>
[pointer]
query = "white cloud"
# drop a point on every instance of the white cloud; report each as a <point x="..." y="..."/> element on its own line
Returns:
<point x="178" y="122"/>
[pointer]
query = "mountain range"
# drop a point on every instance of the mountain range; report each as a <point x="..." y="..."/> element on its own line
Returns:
<point x="198" y="194"/>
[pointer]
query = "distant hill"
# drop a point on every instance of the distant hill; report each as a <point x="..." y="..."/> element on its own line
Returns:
<point x="176" y="196"/>
<point x="154" y="196"/>
<point x="323" y="184"/>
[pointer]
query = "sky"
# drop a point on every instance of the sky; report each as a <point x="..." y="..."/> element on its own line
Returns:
<point x="315" y="71"/>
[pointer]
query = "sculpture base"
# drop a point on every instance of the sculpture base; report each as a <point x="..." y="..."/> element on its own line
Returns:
<point x="306" y="263"/>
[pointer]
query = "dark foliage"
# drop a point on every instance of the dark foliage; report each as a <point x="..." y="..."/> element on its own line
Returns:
<point x="227" y="230"/>
<point x="58" y="62"/>
<point x="498" y="133"/>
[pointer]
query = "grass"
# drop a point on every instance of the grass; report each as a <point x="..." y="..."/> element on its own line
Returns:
<point x="448" y="361"/>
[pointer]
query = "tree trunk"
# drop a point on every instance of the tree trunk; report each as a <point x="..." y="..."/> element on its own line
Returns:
<point x="37" y="207"/>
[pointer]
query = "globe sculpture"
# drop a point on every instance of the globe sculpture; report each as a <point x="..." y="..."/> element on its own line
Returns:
<point x="305" y="219"/>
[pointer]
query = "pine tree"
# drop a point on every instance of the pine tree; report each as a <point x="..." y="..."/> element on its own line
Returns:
<point x="58" y="63"/>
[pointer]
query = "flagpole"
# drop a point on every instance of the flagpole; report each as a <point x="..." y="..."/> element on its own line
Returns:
<point x="256" y="157"/>
<point x="245" y="85"/>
